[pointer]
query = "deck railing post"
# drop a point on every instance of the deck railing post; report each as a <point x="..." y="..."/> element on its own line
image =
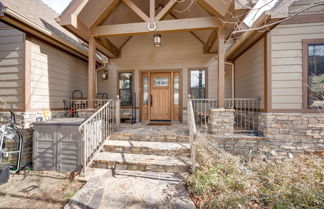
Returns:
<point x="118" y="113"/>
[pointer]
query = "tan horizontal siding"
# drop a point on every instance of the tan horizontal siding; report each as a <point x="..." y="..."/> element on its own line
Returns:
<point x="287" y="61"/>
<point x="301" y="6"/>
<point x="12" y="55"/>
<point x="55" y="74"/>
<point x="249" y="73"/>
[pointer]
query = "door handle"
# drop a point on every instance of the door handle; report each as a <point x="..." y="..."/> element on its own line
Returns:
<point x="151" y="100"/>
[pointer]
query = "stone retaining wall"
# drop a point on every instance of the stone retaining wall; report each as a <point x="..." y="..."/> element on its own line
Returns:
<point x="12" y="145"/>
<point x="295" y="133"/>
<point x="25" y="119"/>
<point x="221" y="122"/>
<point x="239" y="144"/>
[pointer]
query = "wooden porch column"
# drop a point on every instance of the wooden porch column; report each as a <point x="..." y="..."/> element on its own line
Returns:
<point x="91" y="70"/>
<point x="221" y="68"/>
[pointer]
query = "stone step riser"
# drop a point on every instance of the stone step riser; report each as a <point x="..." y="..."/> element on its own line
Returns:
<point x="138" y="167"/>
<point x="164" y="138"/>
<point x="147" y="151"/>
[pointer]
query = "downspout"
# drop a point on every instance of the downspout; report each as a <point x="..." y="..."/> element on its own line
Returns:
<point x="103" y="66"/>
<point x="233" y="78"/>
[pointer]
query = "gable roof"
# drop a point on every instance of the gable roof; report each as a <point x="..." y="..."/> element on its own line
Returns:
<point x="40" y="14"/>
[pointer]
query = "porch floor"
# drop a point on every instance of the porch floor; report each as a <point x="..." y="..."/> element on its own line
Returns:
<point x="144" y="128"/>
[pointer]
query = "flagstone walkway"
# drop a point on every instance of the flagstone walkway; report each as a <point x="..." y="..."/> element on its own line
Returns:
<point x="109" y="189"/>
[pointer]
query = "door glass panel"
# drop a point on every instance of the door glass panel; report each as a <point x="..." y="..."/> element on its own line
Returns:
<point x="161" y="81"/>
<point x="176" y="98"/>
<point x="145" y="89"/>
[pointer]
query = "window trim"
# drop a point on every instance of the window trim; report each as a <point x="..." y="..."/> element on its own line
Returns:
<point x="206" y="79"/>
<point x="306" y="43"/>
<point x="132" y="90"/>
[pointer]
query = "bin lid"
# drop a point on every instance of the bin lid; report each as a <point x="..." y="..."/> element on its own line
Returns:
<point x="62" y="121"/>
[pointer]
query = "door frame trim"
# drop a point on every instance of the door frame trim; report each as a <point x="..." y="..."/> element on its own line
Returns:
<point x="141" y="96"/>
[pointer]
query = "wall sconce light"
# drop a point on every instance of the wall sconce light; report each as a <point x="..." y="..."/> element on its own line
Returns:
<point x="157" y="40"/>
<point x="104" y="75"/>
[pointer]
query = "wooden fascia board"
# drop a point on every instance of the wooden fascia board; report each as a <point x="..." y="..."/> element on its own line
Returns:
<point x="246" y="35"/>
<point x="164" y="12"/>
<point x="43" y="33"/>
<point x="253" y="38"/>
<point x="136" y="10"/>
<point x="65" y="17"/>
<point x="76" y="12"/>
<point x="190" y="24"/>
<point x="152" y="10"/>
<point x="215" y="7"/>
<point x="105" y="14"/>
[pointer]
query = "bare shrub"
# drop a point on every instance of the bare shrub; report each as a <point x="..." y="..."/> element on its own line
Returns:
<point x="227" y="181"/>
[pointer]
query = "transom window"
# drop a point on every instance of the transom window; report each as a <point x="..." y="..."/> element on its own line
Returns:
<point x="315" y="75"/>
<point x="125" y="88"/>
<point x="197" y="83"/>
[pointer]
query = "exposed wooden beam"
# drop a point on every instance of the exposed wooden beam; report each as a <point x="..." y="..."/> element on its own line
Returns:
<point x="152" y="10"/>
<point x="137" y="10"/>
<point x="84" y="33"/>
<point x="215" y="7"/>
<point x="170" y="5"/>
<point x="221" y="68"/>
<point x="91" y="70"/>
<point x="211" y="41"/>
<point x="190" y="24"/>
<point x="191" y="32"/>
<point x="108" y="45"/>
<point x="109" y="9"/>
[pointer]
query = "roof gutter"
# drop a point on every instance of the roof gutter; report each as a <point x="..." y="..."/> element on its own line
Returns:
<point x="22" y="19"/>
<point x="1" y="10"/>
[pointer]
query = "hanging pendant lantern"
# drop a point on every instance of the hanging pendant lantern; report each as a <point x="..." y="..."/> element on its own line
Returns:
<point x="157" y="40"/>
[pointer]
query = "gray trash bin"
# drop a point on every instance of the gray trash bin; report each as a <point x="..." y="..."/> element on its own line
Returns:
<point x="57" y="145"/>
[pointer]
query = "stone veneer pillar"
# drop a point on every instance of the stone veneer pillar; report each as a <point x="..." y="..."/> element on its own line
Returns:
<point x="221" y="122"/>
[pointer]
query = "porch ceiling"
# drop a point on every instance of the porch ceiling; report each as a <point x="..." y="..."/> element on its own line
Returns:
<point x="116" y="21"/>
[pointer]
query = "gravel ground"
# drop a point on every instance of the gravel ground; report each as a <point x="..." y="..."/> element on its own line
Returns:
<point x="44" y="190"/>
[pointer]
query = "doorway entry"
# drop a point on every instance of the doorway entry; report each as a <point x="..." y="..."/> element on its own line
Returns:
<point x="160" y="97"/>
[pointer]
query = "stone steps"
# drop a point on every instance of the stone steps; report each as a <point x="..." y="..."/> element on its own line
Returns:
<point x="140" y="162"/>
<point x="151" y="137"/>
<point x="148" y="148"/>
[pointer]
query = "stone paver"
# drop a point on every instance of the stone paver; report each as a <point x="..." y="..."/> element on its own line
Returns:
<point x="141" y="162"/>
<point x="179" y="129"/>
<point x="108" y="189"/>
<point x="148" y="147"/>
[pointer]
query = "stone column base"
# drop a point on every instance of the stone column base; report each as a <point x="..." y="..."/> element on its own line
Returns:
<point x="221" y="122"/>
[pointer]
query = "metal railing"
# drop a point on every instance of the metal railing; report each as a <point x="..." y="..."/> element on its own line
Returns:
<point x="245" y="115"/>
<point x="73" y="106"/>
<point x="97" y="128"/>
<point x="192" y="132"/>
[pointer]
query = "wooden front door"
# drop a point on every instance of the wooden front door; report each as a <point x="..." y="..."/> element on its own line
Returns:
<point x="160" y="96"/>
